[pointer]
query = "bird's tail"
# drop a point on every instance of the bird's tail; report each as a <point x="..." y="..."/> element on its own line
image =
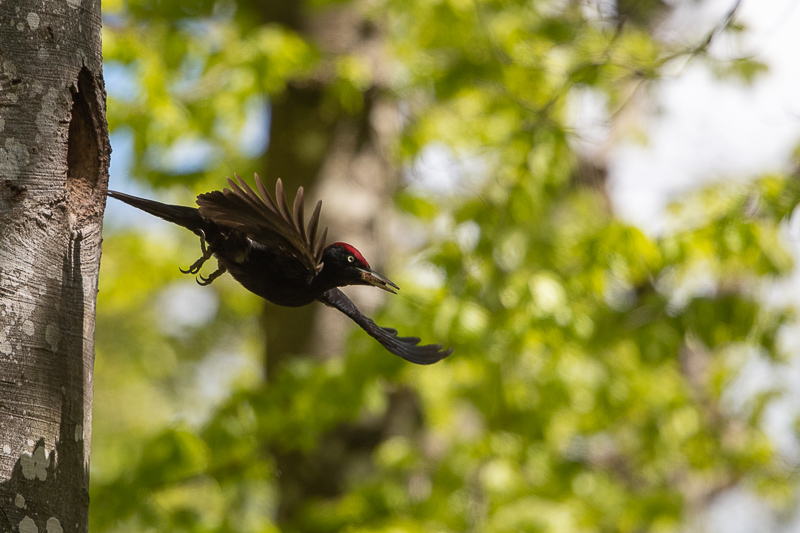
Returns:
<point x="188" y="217"/>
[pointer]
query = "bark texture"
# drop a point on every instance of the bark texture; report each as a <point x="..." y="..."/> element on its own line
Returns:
<point x="54" y="157"/>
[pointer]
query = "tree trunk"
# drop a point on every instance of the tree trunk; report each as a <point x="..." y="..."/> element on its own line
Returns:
<point x="341" y="154"/>
<point x="54" y="157"/>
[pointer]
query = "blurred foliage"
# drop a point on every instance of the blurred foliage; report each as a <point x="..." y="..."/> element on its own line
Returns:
<point x="591" y="385"/>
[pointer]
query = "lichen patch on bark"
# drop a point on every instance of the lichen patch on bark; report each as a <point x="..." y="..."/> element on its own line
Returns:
<point x="53" y="525"/>
<point x="27" y="525"/>
<point x="33" y="20"/>
<point x="13" y="156"/>
<point x="51" y="109"/>
<point x="52" y="334"/>
<point x="34" y="466"/>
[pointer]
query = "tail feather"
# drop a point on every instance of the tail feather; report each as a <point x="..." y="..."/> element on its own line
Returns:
<point x="188" y="217"/>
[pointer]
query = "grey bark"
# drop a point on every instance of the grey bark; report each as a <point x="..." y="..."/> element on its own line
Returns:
<point x="54" y="157"/>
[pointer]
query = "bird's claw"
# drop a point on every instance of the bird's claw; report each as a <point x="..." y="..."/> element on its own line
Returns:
<point x="203" y="281"/>
<point x="195" y="267"/>
<point x="207" y="253"/>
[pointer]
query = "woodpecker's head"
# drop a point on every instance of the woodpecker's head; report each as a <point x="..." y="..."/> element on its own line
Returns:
<point x="345" y="265"/>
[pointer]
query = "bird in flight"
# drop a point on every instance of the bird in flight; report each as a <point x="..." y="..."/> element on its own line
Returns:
<point x="274" y="254"/>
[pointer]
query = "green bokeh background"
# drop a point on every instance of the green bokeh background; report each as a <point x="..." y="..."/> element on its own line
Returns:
<point x="593" y="384"/>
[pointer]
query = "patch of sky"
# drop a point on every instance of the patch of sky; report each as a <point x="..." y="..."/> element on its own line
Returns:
<point x="186" y="306"/>
<point x="707" y="129"/>
<point x="120" y="81"/>
<point x="190" y="73"/>
<point x="215" y="377"/>
<point x="187" y="155"/>
<point x="251" y="138"/>
<point x="120" y="216"/>
<point x="254" y="135"/>
<point x="437" y="169"/>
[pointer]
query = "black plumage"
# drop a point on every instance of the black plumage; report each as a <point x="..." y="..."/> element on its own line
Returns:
<point x="270" y="250"/>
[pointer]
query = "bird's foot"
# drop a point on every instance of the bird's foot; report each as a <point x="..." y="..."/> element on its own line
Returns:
<point x="203" y="248"/>
<point x="210" y="279"/>
<point x="196" y="266"/>
<point x="207" y="253"/>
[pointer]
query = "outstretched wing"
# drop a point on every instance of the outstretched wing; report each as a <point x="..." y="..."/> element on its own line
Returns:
<point x="406" y="347"/>
<point x="267" y="221"/>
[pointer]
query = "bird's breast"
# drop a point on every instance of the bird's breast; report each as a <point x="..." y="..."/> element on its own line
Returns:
<point x="274" y="277"/>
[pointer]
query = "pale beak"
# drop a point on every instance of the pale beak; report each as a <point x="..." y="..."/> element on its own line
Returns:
<point x="375" y="279"/>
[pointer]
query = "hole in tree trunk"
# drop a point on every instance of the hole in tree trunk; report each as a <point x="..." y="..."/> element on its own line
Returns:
<point x="87" y="152"/>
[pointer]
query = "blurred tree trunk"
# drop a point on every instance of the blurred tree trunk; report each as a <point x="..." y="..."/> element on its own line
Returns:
<point x="54" y="157"/>
<point x="339" y="154"/>
<point x="342" y="155"/>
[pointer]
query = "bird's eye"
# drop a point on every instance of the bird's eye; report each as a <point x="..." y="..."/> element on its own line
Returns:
<point x="350" y="258"/>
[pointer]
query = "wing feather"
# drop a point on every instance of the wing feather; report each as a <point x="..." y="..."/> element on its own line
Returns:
<point x="249" y="194"/>
<point x="313" y="222"/>
<point x="298" y="214"/>
<point x="280" y="198"/>
<point x="320" y="245"/>
<point x="265" y="195"/>
<point x="406" y="347"/>
<point x="266" y="220"/>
